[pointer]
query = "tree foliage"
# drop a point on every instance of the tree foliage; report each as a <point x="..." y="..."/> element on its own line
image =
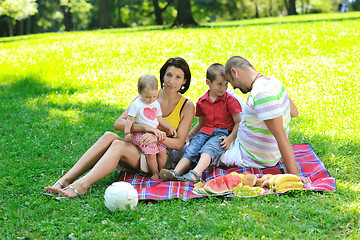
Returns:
<point x="33" y="16"/>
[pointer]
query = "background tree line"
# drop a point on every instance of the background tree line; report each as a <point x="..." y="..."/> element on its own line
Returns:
<point x="18" y="17"/>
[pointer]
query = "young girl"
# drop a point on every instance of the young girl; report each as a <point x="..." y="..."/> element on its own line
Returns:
<point x="146" y="109"/>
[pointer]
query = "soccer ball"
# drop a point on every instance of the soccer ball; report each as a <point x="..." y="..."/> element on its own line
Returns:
<point x="119" y="195"/>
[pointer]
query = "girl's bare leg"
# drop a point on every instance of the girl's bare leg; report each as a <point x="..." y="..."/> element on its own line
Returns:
<point x="153" y="165"/>
<point x="161" y="159"/>
<point x="86" y="162"/>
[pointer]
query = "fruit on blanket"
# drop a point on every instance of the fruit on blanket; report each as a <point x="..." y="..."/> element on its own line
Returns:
<point x="246" y="191"/>
<point x="260" y="181"/>
<point x="120" y="195"/>
<point x="236" y="173"/>
<point x="285" y="178"/>
<point x="285" y="182"/>
<point x="272" y="180"/>
<point x="249" y="180"/>
<point x="219" y="185"/>
<point x="216" y="186"/>
<point x="266" y="184"/>
<point x="288" y="186"/>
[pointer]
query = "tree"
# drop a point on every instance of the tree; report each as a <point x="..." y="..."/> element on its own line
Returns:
<point x="158" y="11"/>
<point x="184" y="15"/>
<point x="17" y="10"/>
<point x="104" y="21"/>
<point x="290" y="7"/>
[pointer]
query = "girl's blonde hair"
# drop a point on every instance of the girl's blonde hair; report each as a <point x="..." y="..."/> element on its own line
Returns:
<point x="147" y="81"/>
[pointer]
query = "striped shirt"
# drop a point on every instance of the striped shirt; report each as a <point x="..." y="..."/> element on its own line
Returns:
<point x="267" y="100"/>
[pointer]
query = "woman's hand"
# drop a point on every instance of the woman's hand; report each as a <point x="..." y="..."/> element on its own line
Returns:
<point x="147" y="138"/>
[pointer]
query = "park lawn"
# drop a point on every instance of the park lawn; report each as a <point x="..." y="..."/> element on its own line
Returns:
<point x="60" y="91"/>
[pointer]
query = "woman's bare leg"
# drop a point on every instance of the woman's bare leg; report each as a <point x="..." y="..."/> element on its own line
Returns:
<point x="86" y="162"/>
<point x="119" y="151"/>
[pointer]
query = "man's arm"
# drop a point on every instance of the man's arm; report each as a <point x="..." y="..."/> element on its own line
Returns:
<point x="275" y="126"/>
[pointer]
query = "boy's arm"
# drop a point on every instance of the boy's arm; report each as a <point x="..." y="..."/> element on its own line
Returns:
<point x="196" y="128"/>
<point x="276" y="128"/>
<point x="226" y="143"/>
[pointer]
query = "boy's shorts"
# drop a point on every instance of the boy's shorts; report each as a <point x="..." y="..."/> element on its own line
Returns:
<point x="204" y="143"/>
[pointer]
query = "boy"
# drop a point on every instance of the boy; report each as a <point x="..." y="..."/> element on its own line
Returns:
<point x="219" y="118"/>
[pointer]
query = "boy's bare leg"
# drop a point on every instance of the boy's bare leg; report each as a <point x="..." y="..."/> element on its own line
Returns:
<point x="182" y="165"/>
<point x="204" y="162"/>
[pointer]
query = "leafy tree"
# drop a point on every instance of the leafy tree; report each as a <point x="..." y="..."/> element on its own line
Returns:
<point x="184" y="15"/>
<point x="17" y="10"/>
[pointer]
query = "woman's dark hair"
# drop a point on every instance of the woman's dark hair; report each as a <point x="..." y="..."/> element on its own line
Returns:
<point x="177" y="62"/>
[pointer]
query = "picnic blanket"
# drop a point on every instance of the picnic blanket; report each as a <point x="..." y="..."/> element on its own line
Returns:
<point x="307" y="161"/>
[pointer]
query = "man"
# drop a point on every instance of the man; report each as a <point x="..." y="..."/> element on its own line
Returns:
<point x="262" y="138"/>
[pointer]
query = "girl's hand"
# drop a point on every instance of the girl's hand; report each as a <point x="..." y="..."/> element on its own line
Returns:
<point x="128" y="137"/>
<point x="226" y="142"/>
<point x="173" y="132"/>
<point x="160" y="135"/>
<point x="147" y="138"/>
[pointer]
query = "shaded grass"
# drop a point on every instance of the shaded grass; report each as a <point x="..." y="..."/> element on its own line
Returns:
<point x="60" y="92"/>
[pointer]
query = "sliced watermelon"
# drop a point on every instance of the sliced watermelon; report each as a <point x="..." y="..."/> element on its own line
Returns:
<point x="216" y="186"/>
<point x="232" y="181"/>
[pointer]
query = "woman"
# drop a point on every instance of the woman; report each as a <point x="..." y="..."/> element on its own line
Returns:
<point x="110" y="150"/>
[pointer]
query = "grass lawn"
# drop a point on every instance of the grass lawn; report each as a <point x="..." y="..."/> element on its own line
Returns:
<point x="60" y="91"/>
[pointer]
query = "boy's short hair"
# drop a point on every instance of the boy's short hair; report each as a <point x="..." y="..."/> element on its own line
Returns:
<point x="147" y="81"/>
<point x="215" y="70"/>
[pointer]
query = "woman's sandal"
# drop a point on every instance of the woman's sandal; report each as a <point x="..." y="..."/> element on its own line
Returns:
<point x="170" y="175"/>
<point x="72" y="188"/>
<point x="55" y="194"/>
<point x="188" y="177"/>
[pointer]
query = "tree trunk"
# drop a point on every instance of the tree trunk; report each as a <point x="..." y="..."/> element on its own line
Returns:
<point x="184" y="16"/>
<point x="104" y="14"/>
<point x="270" y="8"/>
<point x="11" y="32"/>
<point x="119" y="20"/>
<point x="67" y="18"/>
<point x="256" y="9"/>
<point x="292" y="7"/>
<point x="157" y="11"/>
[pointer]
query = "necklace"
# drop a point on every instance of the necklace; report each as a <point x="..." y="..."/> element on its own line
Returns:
<point x="254" y="80"/>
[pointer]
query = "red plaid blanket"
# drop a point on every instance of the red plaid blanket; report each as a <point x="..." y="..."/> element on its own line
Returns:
<point x="308" y="162"/>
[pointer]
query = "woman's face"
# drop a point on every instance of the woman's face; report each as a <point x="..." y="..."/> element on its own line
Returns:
<point x="174" y="78"/>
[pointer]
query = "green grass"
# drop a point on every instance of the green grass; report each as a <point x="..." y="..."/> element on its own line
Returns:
<point x="60" y="92"/>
